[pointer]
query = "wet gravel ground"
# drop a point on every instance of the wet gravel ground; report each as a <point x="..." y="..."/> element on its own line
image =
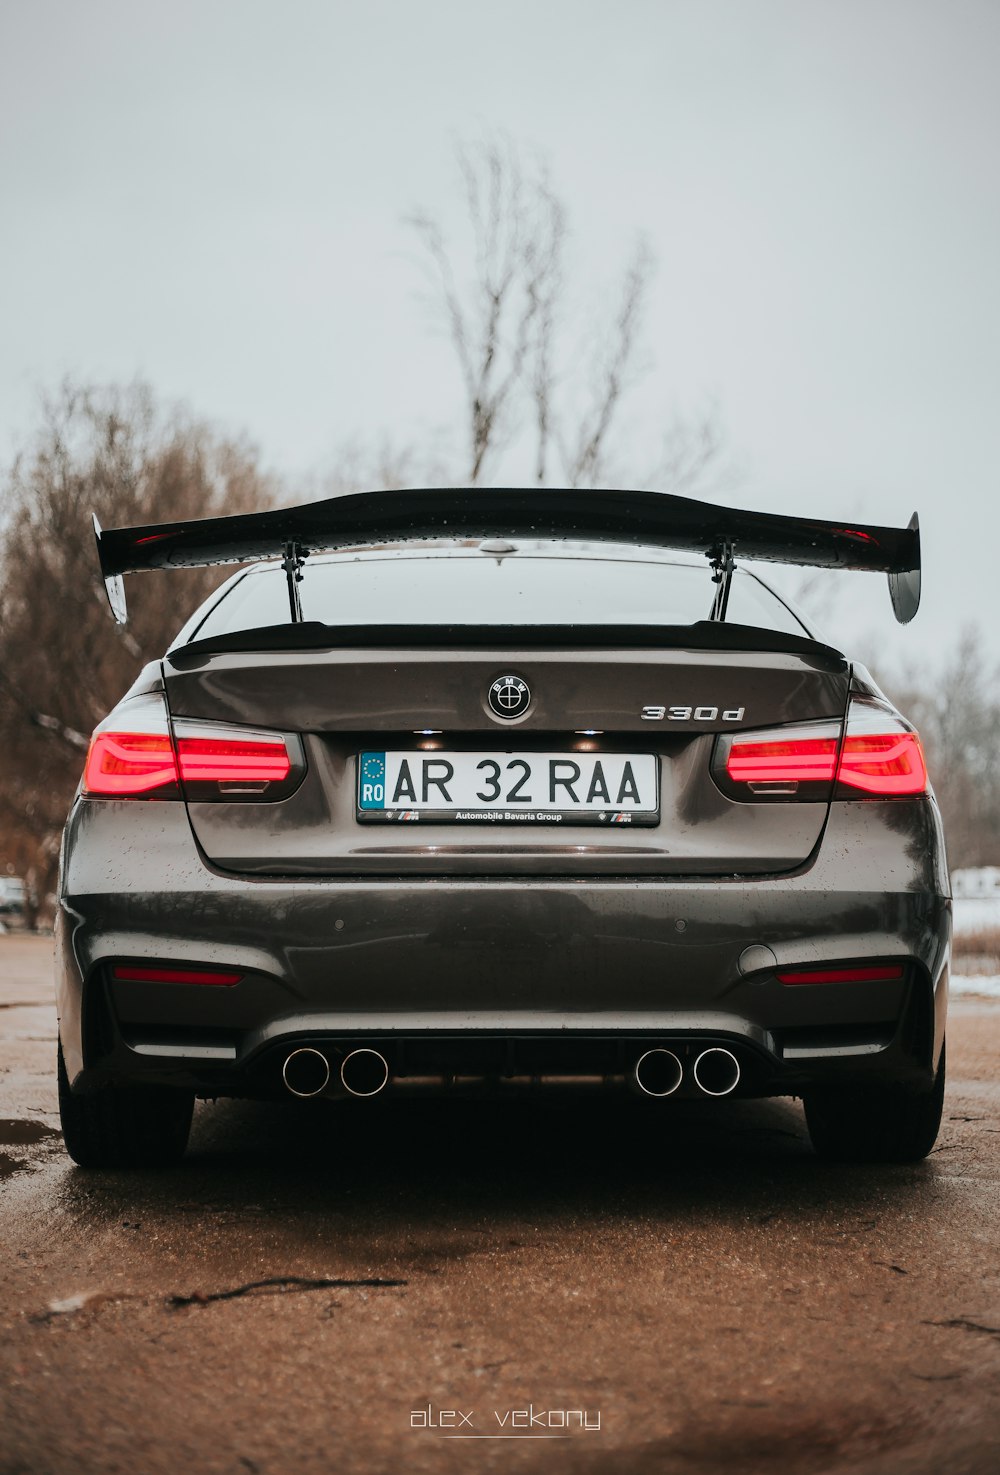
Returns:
<point x="317" y="1287"/>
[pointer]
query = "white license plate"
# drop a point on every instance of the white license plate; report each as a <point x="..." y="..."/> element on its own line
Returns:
<point x="524" y="788"/>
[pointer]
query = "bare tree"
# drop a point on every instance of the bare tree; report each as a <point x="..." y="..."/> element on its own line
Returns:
<point x="507" y="318"/>
<point x="63" y="662"/>
<point x="500" y="323"/>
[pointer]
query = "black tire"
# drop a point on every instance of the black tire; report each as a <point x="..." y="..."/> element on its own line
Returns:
<point x="124" y="1126"/>
<point x="878" y="1123"/>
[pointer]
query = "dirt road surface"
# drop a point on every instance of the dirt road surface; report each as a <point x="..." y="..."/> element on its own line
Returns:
<point x="316" y="1288"/>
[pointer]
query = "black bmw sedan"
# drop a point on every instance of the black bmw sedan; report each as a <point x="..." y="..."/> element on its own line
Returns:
<point x="446" y="790"/>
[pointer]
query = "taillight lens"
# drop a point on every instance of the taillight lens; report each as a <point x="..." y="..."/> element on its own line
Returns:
<point x="766" y="761"/>
<point x="233" y="760"/>
<point x="138" y="758"/>
<point x="125" y="764"/>
<point x="881" y="754"/>
<point x="876" y="754"/>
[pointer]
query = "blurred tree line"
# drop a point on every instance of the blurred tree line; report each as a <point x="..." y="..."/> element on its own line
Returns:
<point x="502" y="293"/>
<point x="63" y="663"/>
<point x="955" y="706"/>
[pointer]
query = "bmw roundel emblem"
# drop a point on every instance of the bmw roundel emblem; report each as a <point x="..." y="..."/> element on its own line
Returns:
<point x="509" y="697"/>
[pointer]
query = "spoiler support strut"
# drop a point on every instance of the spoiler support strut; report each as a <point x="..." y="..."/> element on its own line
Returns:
<point x="723" y="568"/>
<point x="293" y="562"/>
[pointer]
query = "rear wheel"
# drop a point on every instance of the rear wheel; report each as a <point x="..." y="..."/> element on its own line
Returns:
<point x="879" y="1123"/>
<point x="124" y="1126"/>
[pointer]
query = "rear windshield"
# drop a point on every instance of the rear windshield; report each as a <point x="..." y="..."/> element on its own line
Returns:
<point x="469" y="587"/>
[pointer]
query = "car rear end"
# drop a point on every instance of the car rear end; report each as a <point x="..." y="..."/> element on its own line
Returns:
<point x="694" y="857"/>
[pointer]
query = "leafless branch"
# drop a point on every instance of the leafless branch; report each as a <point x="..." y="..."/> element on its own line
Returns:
<point x="584" y="463"/>
<point x="502" y="320"/>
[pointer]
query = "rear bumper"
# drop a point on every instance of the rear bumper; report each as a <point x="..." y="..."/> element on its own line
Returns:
<point x="495" y="975"/>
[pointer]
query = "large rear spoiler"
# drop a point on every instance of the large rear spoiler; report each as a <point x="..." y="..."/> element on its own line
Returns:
<point x="652" y="519"/>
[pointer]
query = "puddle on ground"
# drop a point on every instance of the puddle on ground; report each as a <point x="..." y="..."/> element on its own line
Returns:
<point x="19" y="1133"/>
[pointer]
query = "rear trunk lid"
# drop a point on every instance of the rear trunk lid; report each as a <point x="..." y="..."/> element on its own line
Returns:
<point x="650" y="694"/>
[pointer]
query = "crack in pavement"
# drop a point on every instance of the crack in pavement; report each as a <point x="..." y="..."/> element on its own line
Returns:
<point x="92" y="1300"/>
<point x="281" y="1283"/>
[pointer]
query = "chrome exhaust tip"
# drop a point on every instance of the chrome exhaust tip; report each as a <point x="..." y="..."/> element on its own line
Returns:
<point x="658" y="1072"/>
<point x="306" y="1072"/>
<point x="716" y="1071"/>
<point x="364" y="1072"/>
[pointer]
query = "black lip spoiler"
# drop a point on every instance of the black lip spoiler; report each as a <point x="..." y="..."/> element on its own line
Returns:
<point x="652" y="519"/>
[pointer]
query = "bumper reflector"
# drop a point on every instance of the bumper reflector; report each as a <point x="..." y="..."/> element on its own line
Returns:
<point x="127" y="972"/>
<point x="840" y="975"/>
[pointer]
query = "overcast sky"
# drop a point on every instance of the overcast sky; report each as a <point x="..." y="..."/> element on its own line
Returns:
<point x="210" y="194"/>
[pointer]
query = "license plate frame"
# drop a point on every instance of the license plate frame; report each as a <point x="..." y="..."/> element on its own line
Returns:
<point x="617" y="775"/>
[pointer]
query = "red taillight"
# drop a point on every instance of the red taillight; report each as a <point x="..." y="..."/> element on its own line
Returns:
<point x="890" y="763"/>
<point x="210" y="763"/>
<point x="126" y="972"/>
<point x="876" y="755"/>
<point x="126" y="763"/>
<point x="772" y="759"/>
<point x="840" y="975"/>
<point x="232" y="760"/>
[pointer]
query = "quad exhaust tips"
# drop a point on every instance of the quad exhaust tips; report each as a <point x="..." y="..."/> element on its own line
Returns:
<point x="364" y="1072"/>
<point x="658" y="1073"/>
<point x="306" y="1072"/>
<point x="716" y="1071"/>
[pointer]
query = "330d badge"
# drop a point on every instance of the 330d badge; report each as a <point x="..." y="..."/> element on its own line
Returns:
<point x="692" y="714"/>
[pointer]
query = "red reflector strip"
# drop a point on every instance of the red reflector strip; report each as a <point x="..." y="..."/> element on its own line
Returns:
<point x="129" y="763"/>
<point x="883" y="763"/>
<point x="127" y="973"/>
<point x="220" y="760"/>
<point x="794" y="760"/>
<point x="841" y="975"/>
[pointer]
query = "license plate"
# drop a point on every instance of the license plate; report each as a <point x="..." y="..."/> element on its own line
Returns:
<point x="509" y="788"/>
